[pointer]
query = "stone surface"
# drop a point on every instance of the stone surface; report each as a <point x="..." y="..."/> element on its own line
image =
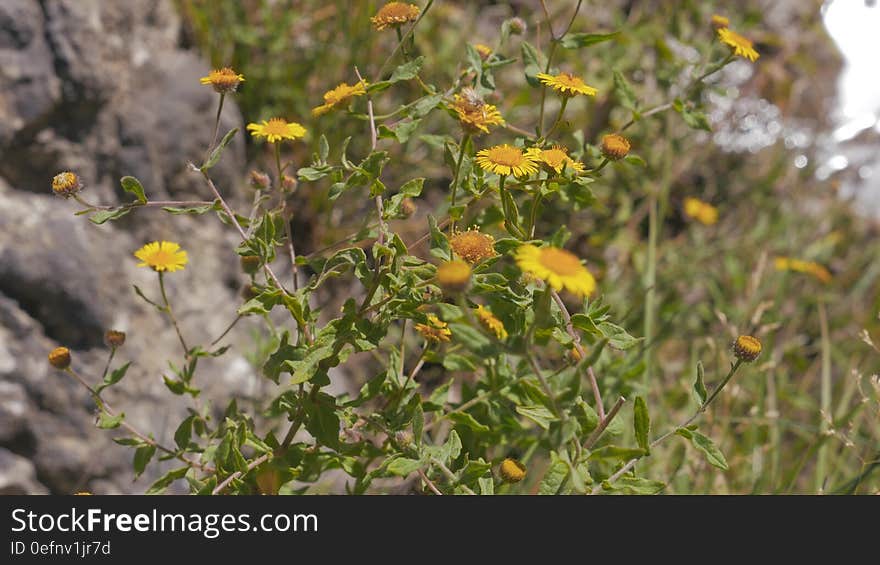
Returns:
<point x="102" y="88"/>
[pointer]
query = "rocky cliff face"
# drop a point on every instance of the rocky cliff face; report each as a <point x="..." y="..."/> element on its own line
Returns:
<point x="100" y="88"/>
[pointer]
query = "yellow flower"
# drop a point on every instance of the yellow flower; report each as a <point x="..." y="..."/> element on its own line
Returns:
<point x="453" y="275"/>
<point x="747" y="348"/>
<point x="701" y="211"/>
<point x="277" y="129"/>
<point x="740" y="45"/>
<point x="490" y="323"/>
<point x="162" y="256"/>
<point x="223" y="80"/>
<point x="557" y="267"/>
<point x="339" y="96"/>
<point x="556" y="159"/>
<point x="800" y="266"/>
<point x="66" y="184"/>
<point x="60" y="358"/>
<point x="512" y="471"/>
<point x="475" y="115"/>
<point x="615" y="146"/>
<point x="566" y="84"/>
<point x="719" y="22"/>
<point x="394" y="14"/>
<point x="435" y="330"/>
<point x="473" y="245"/>
<point x="484" y="50"/>
<point x="507" y="159"/>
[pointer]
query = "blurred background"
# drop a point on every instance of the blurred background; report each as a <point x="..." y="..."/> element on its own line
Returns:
<point x="109" y="89"/>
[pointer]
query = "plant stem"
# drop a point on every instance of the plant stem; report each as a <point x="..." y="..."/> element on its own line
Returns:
<point x="824" y="399"/>
<point x="464" y="141"/>
<point x="170" y="312"/>
<point x="650" y="290"/>
<point x="569" y="327"/>
<point x="216" y="126"/>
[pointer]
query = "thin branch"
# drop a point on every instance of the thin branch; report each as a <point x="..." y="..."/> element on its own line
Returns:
<point x="430" y="484"/>
<point x="255" y="463"/>
<point x="569" y="327"/>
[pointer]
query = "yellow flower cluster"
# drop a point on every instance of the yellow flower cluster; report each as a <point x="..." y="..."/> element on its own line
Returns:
<point x="701" y="211"/>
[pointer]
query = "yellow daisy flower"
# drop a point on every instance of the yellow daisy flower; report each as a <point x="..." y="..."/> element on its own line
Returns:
<point x="701" y="211"/>
<point x="395" y="14"/>
<point x="223" y="80"/>
<point x="339" y="96"/>
<point x="475" y="115"/>
<point x="556" y="159"/>
<point x="277" y="129"/>
<point x="719" y="22"/>
<point x="506" y="160"/>
<point x="566" y="84"/>
<point x="740" y="45"/>
<point x="435" y="330"/>
<point x="490" y="323"/>
<point x="66" y="184"/>
<point x="162" y="256"/>
<point x="557" y="267"/>
<point x="747" y="348"/>
<point x="473" y="245"/>
<point x="801" y="266"/>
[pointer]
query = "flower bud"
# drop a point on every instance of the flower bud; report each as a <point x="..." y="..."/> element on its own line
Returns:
<point x="615" y="146"/>
<point x="259" y="180"/>
<point x="60" y="358"/>
<point x="408" y="207"/>
<point x="453" y="276"/>
<point x="512" y="471"/>
<point x="114" y="338"/>
<point x="747" y="348"/>
<point x="66" y="184"/>
<point x="250" y="264"/>
<point x="517" y="26"/>
<point x="288" y="184"/>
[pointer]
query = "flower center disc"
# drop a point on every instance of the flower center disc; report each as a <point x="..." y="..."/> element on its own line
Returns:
<point x="507" y="156"/>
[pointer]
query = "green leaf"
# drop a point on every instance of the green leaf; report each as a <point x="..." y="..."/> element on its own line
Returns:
<point x="456" y="362"/>
<point x="556" y="474"/>
<point x="160" y="485"/>
<point x="624" y="92"/>
<point x="142" y="457"/>
<point x="194" y="210"/>
<point x="634" y="485"/>
<point x="466" y="419"/>
<point x="578" y="40"/>
<point x="439" y="243"/>
<point x="618" y="337"/>
<point x="616" y="452"/>
<point x="322" y="422"/>
<point x="108" y="422"/>
<point x="534" y="63"/>
<point x="215" y="154"/>
<point x="113" y="377"/>
<point x="133" y="186"/>
<point x="487" y="485"/>
<point x="706" y="445"/>
<point x="407" y="71"/>
<point x="102" y="216"/>
<point x="539" y="414"/>
<point x="586" y="415"/>
<point x="402" y="466"/>
<point x="693" y="117"/>
<point x="184" y="432"/>
<point x="451" y="449"/>
<point x="642" y="424"/>
<point x="700" y="386"/>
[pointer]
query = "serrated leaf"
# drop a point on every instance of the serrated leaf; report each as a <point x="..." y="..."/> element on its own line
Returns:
<point x="642" y="424"/>
<point x="579" y="40"/>
<point x="703" y="443"/>
<point x="133" y="186"/>
<point x="218" y="151"/>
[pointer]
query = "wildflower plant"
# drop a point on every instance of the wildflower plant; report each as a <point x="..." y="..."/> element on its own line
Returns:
<point x="501" y="369"/>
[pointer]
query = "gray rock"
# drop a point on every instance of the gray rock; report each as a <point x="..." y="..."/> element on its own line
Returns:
<point x="17" y="475"/>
